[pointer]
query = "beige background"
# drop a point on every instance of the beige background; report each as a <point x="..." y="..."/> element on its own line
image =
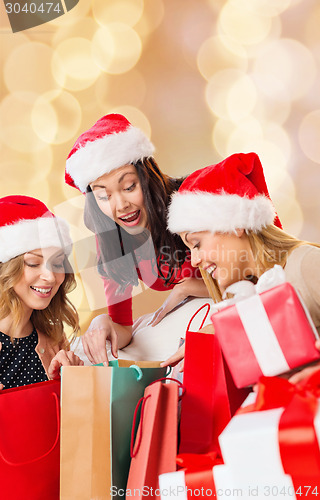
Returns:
<point x="203" y="78"/>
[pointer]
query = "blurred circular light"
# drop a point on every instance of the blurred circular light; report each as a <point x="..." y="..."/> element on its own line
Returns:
<point x="242" y="23"/>
<point x="122" y="11"/>
<point x="15" y="122"/>
<point x="153" y="14"/>
<point x="218" y="88"/>
<point x="80" y="11"/>
<point x="26" y="167"/>
<point x="56" y="117"/>
<point x="243" y="138"/>
<point x="116" y="48"/>
<point x="289" y="62"/>
<point x="28" y="68"/>
<point x="241" y="98"/>
<point x="269" y="8"/>
<point x="73" y="66"/>
<point x="309" y="135"/>
<point x="274" y="163"/>
<point x="220" y="136"/>
<point x="214" y="56"/>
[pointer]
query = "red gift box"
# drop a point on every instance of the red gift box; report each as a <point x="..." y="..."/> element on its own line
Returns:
<point x="266" y="334"/>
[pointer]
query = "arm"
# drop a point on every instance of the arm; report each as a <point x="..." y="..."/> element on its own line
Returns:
<point x="189" y="287"/>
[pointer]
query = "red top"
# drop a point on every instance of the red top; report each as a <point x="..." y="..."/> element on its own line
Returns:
<point x="120" y="304"/>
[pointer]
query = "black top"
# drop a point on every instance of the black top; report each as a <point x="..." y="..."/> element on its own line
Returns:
<point x="19" y="362"/>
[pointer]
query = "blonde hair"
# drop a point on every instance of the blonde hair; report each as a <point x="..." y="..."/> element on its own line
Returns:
<point x="269" y="246"/>
<point x="49" y="320"/>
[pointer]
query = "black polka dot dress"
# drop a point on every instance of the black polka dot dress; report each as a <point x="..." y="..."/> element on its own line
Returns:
<point x="19" y="362"/>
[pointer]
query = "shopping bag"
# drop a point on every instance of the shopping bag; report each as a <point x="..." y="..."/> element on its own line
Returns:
<point x="155" y="448"/>
<point x="97" y="408"/>
<point x="29" y="442"/>
<point x="211" y="397"/>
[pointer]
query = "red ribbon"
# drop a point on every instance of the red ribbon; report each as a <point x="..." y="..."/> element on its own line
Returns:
<point x="198" y="473"/>
<point x="298" y="444"/>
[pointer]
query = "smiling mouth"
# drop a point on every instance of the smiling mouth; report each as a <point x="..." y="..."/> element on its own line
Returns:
<point x="211" y="269"/>
<point x="43" y="291"/>
<point x="129" y="218"/>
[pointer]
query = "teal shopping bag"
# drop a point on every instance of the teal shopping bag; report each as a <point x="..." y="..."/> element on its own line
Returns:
<point x="97" y="407"/>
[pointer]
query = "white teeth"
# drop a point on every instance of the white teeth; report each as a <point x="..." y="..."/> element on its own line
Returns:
<point x="125" y="217"/>
<point x="42" y="290"/>
<point x="211" y="269"/>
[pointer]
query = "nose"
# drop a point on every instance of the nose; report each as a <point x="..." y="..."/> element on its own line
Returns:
<point x="195" y="257"/>
<point x="121" y="203"/>
<point x="47" y="274"/>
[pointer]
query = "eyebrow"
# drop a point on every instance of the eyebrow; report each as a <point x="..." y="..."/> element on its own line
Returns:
<point x="60" y="254"/>
<point x="120" y="180"/>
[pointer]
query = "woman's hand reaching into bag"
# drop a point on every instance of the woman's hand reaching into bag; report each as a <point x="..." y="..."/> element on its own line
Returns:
<point x="62" y="358"/>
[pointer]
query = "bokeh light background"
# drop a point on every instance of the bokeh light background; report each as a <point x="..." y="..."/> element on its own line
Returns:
<point x="203" y="79"/>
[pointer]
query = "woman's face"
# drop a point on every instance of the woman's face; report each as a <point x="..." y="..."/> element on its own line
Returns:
<point x="119" y="196"/>
<point x="43" y="273"/>
<point x="226" y="257"/>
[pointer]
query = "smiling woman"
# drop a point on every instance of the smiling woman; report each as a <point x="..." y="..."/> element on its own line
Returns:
<point x="126" y="206"/>
<point x="35" y="276"/>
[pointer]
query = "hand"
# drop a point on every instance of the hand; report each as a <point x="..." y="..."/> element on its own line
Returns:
<point x="174" y="298"/>
<point x="94" y="340"/>
<point x="175" y="359"/>
<point x="62" y="358"/>
<point x="1" y="387"/>
<point x="306" y="372"/>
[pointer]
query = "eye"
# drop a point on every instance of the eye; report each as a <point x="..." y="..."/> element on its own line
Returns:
<point x="131" y="188"/>
<point x="103" y="197"/>
<point x="58" y="266"/>
<point x="30" y="264"/>
<point x="197" y="245"/>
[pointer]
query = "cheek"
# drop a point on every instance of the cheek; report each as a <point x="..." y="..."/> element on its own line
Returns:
<point x="105" y="208"/>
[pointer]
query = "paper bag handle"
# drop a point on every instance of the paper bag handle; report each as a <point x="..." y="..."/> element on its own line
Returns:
<point x="195" y="314"/>
<point x="27" y="462"/>
<point x="135" y="448"/>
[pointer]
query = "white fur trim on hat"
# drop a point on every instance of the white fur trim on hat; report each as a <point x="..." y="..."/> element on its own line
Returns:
<point x="200" y="211"/>
<point x="31" y="234"/>
<point x="101" y="156"/>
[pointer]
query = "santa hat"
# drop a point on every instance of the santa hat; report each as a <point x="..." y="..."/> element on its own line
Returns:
<point x="110" y="143"/>
<point x="26" y="224"/>
<point x="222" y="198"/>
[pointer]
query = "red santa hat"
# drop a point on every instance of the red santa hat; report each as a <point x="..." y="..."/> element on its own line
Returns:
<point x="109" y="144"/>
<point x="26" y="224"/>
<point x="224" y="197"/>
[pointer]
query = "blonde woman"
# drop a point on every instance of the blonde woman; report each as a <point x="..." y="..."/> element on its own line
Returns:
<point x="224" y="215"/>
<point x="35" y="277"/>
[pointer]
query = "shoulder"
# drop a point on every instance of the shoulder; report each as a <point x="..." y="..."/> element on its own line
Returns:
<point x="303" y="269"/>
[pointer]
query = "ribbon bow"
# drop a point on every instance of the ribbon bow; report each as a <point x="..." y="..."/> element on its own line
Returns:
<point x="244" y="289"/>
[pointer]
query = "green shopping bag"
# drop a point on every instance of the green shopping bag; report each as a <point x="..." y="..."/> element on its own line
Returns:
<point x="97" y="407"/>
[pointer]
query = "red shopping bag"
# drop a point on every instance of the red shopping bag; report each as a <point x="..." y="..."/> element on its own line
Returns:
<point x="29" y="442"/>
<point x="211" y="397"/>
<point x="155" y="448"/>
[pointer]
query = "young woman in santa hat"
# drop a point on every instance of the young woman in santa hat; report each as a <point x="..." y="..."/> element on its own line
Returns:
<point x="224" y="215"/>
<point x="35" y="277"/>
<point x="126" y="207"/>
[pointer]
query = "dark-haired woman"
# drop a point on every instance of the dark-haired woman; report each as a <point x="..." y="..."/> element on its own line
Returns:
<point x="127" y="197"/>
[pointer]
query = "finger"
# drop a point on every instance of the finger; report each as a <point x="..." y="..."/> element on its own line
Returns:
<point x="1" y="387"/>
<point x="298" y="377"/>
<point x="181" y="369"/>
<point x="114" y="343"/>
<point x="159" y="317"/>
<point x="86" y="348"/>
<point x="54" y="369"/>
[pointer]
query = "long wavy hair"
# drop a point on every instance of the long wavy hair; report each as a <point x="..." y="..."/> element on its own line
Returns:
<point x="49" y="320"/>
<point x="270" y="246"/>
<point x="166" y="250"/>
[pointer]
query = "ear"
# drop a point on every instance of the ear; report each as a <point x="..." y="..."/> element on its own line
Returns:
<point x="239" y="232"/>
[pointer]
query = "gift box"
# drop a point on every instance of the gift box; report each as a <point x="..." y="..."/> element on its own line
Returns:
<point x="275" y="440"/>
<point x="195" y="479"/>
<point x="269" y="332"/>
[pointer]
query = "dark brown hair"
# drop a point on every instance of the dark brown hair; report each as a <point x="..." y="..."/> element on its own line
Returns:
<point x="166" y="250"/>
